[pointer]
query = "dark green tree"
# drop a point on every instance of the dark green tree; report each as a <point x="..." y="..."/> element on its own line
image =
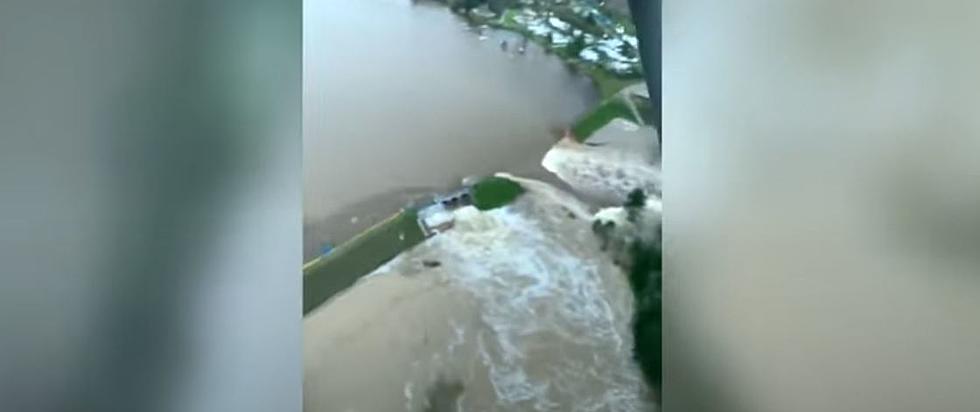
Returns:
<point x="645" y="277"/>
<point x="498" y="6"/>
<point x="575" y="46"/>
<point x="635" y="201"/>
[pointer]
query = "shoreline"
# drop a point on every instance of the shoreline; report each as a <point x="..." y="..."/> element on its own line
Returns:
<point x="327" y="275"/>
<point x="566" y="31"/>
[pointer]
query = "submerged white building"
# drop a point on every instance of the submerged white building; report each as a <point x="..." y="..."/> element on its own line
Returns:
<point x="438" y="216"/>
<point x="435" y="218"/>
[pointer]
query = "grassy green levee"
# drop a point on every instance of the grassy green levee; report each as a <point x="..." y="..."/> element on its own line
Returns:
<point x="326" y="275"/>
<point x="494" y="192"/>
<point x="600" y="116"/>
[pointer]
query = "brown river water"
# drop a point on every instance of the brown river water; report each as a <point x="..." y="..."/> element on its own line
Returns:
<point x="400" y="100"/>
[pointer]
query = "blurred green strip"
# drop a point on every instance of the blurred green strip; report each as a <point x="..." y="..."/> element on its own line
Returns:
<point x="326" y="275"/>
<point x="608" y="110"/>
<point x="494" y="192"/>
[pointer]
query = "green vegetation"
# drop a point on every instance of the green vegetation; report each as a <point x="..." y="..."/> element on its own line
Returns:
<point x="494" y="192"/>
<point x="645" y="271"/>
<point x="645" y="280"/>
<point x="600" y="116"/>
<point x="640" y="254"/>
<point x="583" y="19"/>
<point x="327" y="275"/>
<point x="616" y="107"/>
<point x="635" y="201"/>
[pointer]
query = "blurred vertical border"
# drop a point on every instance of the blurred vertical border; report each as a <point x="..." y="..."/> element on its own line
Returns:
<point x="646" y="14"/>
<point x="822" y="206"/>
<point x="150" y="215"/>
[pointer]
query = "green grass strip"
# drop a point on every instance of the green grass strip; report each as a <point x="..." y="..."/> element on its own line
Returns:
<point x="601" y="116"/>
<point x="325" y="276"/>
<point x="645" y="281"/>
<point x="494" y="192"/>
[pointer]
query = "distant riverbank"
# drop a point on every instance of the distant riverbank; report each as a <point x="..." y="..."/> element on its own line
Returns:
<point x="598" y="41"/>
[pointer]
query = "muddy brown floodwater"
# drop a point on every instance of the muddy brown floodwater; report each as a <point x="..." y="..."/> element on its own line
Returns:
<point x="400" y="100"/>
<point x="523" y="313"/>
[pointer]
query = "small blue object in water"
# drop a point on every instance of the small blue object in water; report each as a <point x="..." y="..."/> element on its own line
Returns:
<point x="326" y="249"/>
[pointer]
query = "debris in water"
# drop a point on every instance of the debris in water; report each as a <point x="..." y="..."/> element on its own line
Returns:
<point x="353" y="220"/>
<point x="431" y="263"/>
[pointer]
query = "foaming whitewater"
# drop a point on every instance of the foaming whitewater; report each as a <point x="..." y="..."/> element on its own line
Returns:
<point x="537" y="295"/>
<point x="522" y="313"/>
<point x="620" y="157"/>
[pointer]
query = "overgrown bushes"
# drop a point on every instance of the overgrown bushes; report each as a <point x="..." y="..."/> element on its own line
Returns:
<point x="636" y="247"/>
<point x="600" y="116"/>
<point x="645" y="270"/>
<point x="645" y="280"/>
<point x="494" y="191"/>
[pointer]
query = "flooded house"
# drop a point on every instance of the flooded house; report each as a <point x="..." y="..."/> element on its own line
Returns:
<point x="437" y="216"/>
